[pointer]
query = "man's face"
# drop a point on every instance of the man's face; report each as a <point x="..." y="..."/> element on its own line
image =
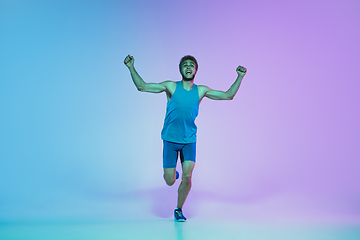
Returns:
<point x="188" y="70"/>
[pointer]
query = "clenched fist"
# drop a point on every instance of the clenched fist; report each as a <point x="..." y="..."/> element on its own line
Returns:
<point x="241" y="70"/>
<point x="129" y="61"/>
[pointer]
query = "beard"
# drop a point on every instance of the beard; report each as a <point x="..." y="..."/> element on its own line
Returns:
<point x="188" y="79"/>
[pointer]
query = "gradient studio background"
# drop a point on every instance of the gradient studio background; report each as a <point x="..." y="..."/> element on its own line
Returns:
<point x="79" y="142"/>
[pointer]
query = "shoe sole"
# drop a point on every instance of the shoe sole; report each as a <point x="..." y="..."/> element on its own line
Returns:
<point x="180" y="220"/>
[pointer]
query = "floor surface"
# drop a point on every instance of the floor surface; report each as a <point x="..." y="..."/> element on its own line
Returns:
<point x="167" y="229"/>
<point x="141" y="217"/>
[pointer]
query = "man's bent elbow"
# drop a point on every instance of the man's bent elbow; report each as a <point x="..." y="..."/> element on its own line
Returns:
<point x="230" y="97"/>
<point x="140" y="88"/>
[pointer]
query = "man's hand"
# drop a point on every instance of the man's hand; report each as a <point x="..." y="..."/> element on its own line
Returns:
<point x="129" y="61"/>
<point x="241" y="70"/>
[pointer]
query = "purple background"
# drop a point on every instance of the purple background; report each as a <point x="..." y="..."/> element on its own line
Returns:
<point x="78" y="140"/>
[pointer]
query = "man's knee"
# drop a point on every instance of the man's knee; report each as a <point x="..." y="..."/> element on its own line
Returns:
<point x="186" y="177"/>
<point x="169" y="179"/>
<point x="169" y="182"/>
<point x="188" y="167"/>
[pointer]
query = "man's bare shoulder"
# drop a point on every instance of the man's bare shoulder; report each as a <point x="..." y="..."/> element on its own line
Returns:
<point x="170" y="86"/>
<point x="203" y="89"/>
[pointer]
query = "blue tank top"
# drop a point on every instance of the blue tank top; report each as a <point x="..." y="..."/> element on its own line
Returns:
<point x="181" y="112"/>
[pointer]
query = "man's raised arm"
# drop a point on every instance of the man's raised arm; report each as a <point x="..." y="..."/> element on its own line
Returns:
<point x="231" y="92"/>
<point x="140" y="84"/>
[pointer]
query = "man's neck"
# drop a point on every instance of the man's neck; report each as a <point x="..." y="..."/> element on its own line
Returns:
<point x="187" y="85"/>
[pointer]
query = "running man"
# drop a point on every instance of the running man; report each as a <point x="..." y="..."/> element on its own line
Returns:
<point x="179" y="130"/>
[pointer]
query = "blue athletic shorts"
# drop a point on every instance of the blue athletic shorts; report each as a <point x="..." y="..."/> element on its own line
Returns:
<point x="171" y="152"/>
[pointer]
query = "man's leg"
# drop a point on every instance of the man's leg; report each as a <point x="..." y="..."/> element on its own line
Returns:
<point x="185" y="186"/>
<point x="169" y="176"/>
